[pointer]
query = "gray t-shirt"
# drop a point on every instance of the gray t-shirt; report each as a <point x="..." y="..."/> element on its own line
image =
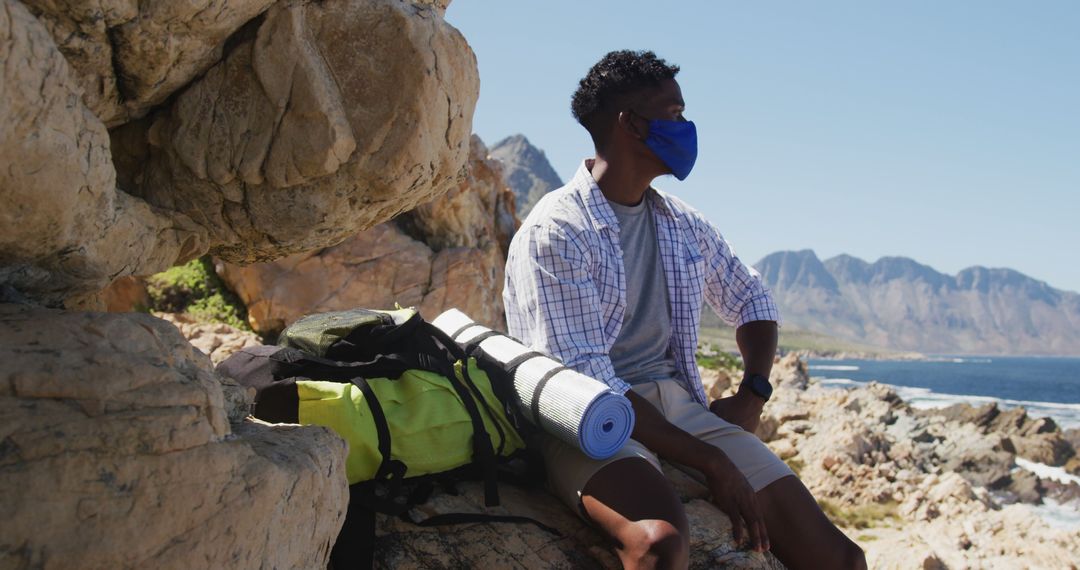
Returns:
<point x="640" y="353"/>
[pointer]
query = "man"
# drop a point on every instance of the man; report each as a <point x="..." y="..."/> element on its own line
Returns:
<point x="609" y="274"/>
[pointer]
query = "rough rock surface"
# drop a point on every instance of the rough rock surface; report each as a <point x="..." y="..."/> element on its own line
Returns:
<point x="933" y="487"/>
<point x="66" y="229"/>
<point x="116" y="452"/>
<point x="216" y="340"/>
<point x="459" y="263"/>
<point x="298" y="139"/>
<point x="126" y="294"/>
<point x="131" y="55"/>
<point x="1036" y="439"/>
<point x="524" y="546"/>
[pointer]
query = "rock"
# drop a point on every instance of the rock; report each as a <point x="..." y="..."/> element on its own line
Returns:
<point x="985" y="460"/>
<point x="525" y="546"/>
<point x="67" y="231"/>
<point x="479" y="213"/>
<point x="116" y="452"/>
<point x="1073" y="465"/>
<point x="386" y="265"/>
<point x="1024" y="487"/>
<point x="130" y="56"/>
<point x="1035" y="439"/>
<point x="126" y="294"/>
<point x="323" y="119"/>
<point x="790" y="373"/>
<point x="216" y="340"/>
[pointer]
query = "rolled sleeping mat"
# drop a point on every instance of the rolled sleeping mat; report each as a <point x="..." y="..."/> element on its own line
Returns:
<point x="579" y="410"/>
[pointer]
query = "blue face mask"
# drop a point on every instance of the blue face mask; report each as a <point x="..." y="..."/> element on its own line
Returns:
<point x="675" y="144"/>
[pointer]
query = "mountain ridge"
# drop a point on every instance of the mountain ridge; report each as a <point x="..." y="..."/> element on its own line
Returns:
<point x="898" y="303"/>
<point x="526" y="170"/>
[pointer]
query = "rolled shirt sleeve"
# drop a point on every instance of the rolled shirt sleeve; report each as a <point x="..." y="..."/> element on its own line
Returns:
<point x="734" y="291"/>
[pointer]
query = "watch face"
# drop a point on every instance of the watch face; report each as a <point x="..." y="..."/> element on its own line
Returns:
<point x="760" y="385"/>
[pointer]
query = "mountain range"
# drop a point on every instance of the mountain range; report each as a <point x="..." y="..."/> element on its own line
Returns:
<point x="526" y="170"/>
<point x="898" y="303"/>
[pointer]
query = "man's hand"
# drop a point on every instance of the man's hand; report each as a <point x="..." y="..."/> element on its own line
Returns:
<point x="734" y="495"/>
<point x="743" y="409"/>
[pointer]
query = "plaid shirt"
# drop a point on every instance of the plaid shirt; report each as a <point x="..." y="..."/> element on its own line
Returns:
<point x="565" y="290"/>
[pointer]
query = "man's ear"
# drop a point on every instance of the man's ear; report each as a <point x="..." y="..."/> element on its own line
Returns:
<point x="629" y="122"/>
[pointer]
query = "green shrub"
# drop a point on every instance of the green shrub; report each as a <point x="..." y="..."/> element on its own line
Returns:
<point x="195" y="288"/>
<point x="862" y="516"/>
<point x="796" y="465"/>
<point x="718" y="360"/>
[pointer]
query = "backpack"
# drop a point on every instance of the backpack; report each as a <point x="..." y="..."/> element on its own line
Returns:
<point x="413" y="407"/>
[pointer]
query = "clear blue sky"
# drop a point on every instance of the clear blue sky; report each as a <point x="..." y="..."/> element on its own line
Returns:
<point x="948" y="132"/>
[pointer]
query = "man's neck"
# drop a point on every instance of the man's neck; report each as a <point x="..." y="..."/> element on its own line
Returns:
<point x="619" y="180"/>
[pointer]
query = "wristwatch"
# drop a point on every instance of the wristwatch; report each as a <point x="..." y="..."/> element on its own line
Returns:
<point x="759" y="385"/>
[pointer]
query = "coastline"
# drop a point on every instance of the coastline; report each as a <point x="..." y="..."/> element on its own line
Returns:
<point x="956" y="486"/>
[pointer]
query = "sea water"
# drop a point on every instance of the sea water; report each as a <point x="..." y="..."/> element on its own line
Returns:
<point x="1046" y="387"/>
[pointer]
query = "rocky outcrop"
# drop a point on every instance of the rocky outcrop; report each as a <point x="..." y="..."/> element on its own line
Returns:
<point x="270" y="128"/>
<point x="142" y="134"/>
<point x="66" y="229"/>
<point x="116" y="451"/>
<point x="130" y="56"/>
<point x="922" y="489"/>
<point x="448" y="253"/>
<point x="299" y="137"/>
<point x="216" y="340"/>
<point x="1035" y="439"/>
<point x="525" y="546"/>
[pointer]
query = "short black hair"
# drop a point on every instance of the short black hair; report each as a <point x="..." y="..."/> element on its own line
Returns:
<point x="611" y="85"/>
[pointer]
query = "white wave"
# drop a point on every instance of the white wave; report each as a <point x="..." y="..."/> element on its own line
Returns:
<point x="958" y="360"/>
<point x="838" y="382"/>
<point x="833" y="367"/>
<point x="1065" y="415"/>
<point x="1048" y="472"/>
<point x="1057" y="515"/>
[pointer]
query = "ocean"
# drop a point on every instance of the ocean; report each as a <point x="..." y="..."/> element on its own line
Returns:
<point x="1046" y="386"/>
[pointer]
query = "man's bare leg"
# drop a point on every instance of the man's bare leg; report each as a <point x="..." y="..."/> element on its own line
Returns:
<point x="635" y="505"/>
<point x="801" y="535"/>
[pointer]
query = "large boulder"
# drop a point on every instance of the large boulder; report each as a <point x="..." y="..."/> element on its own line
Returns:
<point x="116" y="451"/>
<point x="525" y="546"/>
<point x="270" y="128"/>
<point x="448" y="253"/>
<point x="323" y="119"/>
<point x="66" y="230"/>
<point x="130" y="55"/>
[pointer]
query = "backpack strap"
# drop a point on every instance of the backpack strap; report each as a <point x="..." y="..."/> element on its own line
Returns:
<point x="390" y="470"/>
<point x="482" y="447"/>
<point x="463" y="518"/>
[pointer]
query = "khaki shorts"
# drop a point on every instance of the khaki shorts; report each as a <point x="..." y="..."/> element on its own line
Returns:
<point x="569" y="470"/>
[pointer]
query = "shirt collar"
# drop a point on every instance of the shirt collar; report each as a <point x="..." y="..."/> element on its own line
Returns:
<point x="597" y="205"/>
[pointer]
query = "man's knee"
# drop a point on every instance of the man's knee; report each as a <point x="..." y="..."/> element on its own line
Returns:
<point x="658" y="544"/>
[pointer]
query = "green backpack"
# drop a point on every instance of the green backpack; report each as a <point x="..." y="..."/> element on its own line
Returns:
<point x="407" y="399"/>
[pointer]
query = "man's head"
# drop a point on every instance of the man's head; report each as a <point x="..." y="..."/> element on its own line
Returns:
<point x="621" y="81"/>
<point x="620" y="95"/>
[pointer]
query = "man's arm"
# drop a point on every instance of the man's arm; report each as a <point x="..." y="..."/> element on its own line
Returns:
<point x="757" y="342"/>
